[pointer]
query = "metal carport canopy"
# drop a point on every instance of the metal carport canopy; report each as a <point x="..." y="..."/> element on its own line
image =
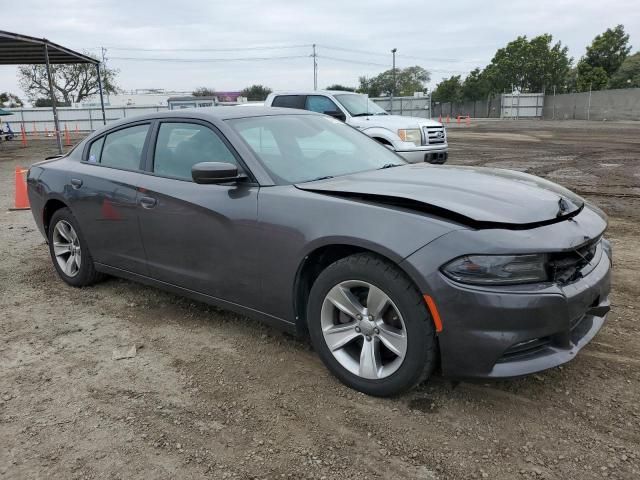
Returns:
<point x="16" y="49"/>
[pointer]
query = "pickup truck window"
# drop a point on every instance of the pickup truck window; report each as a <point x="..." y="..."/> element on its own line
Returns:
<point x="289" y="101"/>
<point x="321" y="104"/>
<point x="359" y="105"/>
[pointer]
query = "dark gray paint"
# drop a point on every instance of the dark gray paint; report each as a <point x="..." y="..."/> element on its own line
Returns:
<point x="241" y="246"/>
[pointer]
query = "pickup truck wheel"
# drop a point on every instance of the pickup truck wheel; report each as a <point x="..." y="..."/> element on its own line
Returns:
<point x="370" y="326"/>
<point x="69" y="251"/>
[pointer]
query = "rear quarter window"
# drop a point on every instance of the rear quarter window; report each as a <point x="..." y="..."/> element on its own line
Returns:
<point x="289" y="101"/>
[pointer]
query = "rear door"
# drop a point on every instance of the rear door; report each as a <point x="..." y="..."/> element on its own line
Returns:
<point x="199" y="237"/>
<point x="103" y="196"/>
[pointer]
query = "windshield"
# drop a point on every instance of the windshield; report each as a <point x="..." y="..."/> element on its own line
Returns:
<point x="358" y="105"/>
<point x="301" y="148"/>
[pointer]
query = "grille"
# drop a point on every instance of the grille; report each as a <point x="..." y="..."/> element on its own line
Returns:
<point x="567" y="267"/>
<point x="434" y="135"/>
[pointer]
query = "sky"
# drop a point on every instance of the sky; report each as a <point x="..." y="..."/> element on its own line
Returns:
<point x="354" y="38"/>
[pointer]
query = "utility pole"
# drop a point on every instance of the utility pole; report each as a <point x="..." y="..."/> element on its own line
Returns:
<point x="393" y="71"/>
<point x="104" y="69"/>
<point x="315" y="67"/>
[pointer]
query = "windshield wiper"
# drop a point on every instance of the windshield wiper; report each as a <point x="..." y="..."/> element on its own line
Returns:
<point x="389" y="165"/>
<point x="363" y="114"/>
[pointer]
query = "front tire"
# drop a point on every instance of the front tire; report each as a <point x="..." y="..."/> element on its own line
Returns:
<point x="69" y="250"/>
<point x="370" y="326"/>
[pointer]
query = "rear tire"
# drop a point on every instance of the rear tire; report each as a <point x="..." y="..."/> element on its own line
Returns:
<point x="69" y="250"/>
<point x="370" y="326"/>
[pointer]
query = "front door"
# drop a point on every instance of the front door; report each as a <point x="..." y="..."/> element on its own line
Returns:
<point x="197" y="236"/>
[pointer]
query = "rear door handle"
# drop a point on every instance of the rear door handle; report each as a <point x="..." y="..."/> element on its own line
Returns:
<point x="148" y="202"/>
<point x="76" y="183"/>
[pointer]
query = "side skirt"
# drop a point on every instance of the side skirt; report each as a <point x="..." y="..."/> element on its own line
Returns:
<point x="275" y="322"/>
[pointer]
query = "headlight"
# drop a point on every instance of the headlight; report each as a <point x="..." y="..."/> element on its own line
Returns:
<point x="410" y="135"/>
<point x="497" y="269"/>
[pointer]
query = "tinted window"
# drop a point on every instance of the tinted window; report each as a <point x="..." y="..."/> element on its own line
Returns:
<point x="123" y="148"/>
<point x="95" y="150"/>
<point x="320" y="104"/>
<point x="289" y="101"/>
<point x="181" y="145"/>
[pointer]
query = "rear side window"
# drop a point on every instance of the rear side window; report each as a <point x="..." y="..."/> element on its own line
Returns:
<point x="123" y="148"/>
<point x="289" y="101"/>
<point x="182" y="145"/>
<point x="95" y="150"/>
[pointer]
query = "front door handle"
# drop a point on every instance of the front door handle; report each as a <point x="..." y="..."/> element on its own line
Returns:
<point x="76" y="183"/>
<point x="148" y="202"/>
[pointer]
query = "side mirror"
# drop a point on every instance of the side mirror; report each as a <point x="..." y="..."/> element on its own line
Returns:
<point x="336" y="114"/>
<point x="214" y="172"/>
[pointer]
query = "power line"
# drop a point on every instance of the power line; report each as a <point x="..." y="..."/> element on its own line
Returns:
<point x="205" y="60"/>
<point x="385" y="65"/>
<point x="369" y="52"/>
<point x="231" y="49"/>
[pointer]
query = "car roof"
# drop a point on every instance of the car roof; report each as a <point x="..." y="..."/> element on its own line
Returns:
<point x="313" y="92"/>
<point x="211" y="113"/>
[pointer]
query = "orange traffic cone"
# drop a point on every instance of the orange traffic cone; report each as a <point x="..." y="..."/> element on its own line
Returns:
<point x="448" y="119"/>
<point x="35" y="130"/>
<point x="67" y="138"/>
<point x="46" y="131"/>
<point x="468" y="120"/>
<point x="440" y="118"/>
<point x="21" y="198"/>
<point x="23" y="135"/>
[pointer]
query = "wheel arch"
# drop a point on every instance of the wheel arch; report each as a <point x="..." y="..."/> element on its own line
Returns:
<point x="382" y="135"/>
<point x="51" y="206"/>
<point x="318" y="259"/>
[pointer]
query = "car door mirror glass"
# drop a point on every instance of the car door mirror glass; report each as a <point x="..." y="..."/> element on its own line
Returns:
<point x="214" y="172"/>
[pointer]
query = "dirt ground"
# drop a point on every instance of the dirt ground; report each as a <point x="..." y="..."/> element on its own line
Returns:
<point x="211" y="394"/>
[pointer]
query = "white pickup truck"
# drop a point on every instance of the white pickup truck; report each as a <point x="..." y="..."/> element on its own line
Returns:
<point x="416" y="139"/>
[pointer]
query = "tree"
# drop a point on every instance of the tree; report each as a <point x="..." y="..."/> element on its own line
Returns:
<point x="628" y="75"/>
<point x="408" y="81"/>
<point x="46" y="102"/>
<point x="608" y="50"/>
<point x="590" y="78"/>
<point x="71" y="82"/>
<point x="204" y="92"/>
<point x="337" y="86"/>
<point x="476" y="86"/>
<point x="256" y="93"/>
<point x="448" y="90"/>
<point x="534" y="65"/>
<point x="10" y="100"/>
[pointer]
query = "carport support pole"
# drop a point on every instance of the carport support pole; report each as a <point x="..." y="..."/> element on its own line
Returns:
<point x="104" y="117"/>
<point x="53" y="99"/>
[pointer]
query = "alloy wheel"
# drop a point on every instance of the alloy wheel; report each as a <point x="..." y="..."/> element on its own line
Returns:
<point x="363" y="329"/>
<point x="66" y="248"/>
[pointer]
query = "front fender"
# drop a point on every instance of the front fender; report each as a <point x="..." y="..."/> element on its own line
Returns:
<point x="388" y="135"/>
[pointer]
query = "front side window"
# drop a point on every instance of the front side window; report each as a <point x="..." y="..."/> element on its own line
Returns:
<point x="301" y="148"/>
<point x="359" y="105"/>
<point x="181" y="145"/>
<point x="123" y="148"/>
<point x="321" y="104"/>
<point x="289" y="101"/>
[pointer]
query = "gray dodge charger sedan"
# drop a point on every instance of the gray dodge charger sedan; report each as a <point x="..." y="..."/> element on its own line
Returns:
<point x="303" y="222"/>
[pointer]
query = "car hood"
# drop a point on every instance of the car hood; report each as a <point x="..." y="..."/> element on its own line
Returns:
<point x="476" y="196"/>
<point x="392" y="122"/>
